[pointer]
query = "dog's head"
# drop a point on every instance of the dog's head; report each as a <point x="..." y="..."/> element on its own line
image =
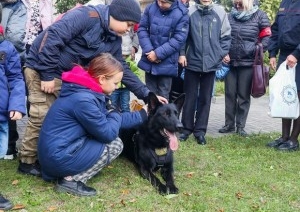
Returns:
<point x="165" y="118"/>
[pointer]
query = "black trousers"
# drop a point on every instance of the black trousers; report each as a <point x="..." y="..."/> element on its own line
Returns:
<point x="198" y="87"/>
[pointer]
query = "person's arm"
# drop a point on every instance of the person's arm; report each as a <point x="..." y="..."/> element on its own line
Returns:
<point x="16" y="82"/>
<point x="273" y="48"/>
<point x="225" y="38"/>
<point x="264" y="30"/>
<point x="57" y="36"/>
<point x="143" y="32"/>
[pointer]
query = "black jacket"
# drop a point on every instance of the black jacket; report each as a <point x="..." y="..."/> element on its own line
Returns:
<point x="245" y="36"/>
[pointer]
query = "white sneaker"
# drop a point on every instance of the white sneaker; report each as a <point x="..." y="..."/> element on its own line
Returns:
<point x="8" y="157"/>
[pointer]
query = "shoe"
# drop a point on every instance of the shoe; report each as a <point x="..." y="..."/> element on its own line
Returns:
<point x="240" y="131"/>
<point x="11" y="153"/>
<point x="183" y="137"/>
<point x="75" y="187"/>
<point x="31" y="169"/>
<point x="276" y="143"/>
<point x="226" y="129"/>
<point x="5" y="204"/>
<point x="289" y="146"/>
<point x="201" y="140"/>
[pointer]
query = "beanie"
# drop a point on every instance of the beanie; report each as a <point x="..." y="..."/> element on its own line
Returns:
<point x="125" y="10"/>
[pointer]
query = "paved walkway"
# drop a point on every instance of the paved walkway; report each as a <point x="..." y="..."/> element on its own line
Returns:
<point x="258" y="119"/>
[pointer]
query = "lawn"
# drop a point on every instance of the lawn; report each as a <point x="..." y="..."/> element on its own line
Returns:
<point x="229" y="174"/>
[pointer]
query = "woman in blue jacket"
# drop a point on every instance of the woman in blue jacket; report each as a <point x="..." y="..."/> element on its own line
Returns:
<point x="79" y="135"/>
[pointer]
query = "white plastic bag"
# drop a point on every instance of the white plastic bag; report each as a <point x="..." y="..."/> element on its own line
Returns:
<point x="284" y="102"/>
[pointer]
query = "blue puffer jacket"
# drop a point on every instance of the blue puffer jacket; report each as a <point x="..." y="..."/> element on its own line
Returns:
<point x="81" y="34"/>
<point x="77" y="127"/>
<point x="12" y="86"/>
<point x="286" y="30"/>
<point x="164" y="32"/>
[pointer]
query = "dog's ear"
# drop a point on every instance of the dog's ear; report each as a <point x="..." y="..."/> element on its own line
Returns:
<point x="153" y="103"/>
<point x="179" y="101"/>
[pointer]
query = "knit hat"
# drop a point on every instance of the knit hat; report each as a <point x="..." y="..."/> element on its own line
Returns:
<point x="125" y="10"/>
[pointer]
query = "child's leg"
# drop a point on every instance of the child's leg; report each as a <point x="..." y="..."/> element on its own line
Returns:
<point x="124" y="99"/>
<point x="3" y="138"/>
<point x="111" y="152"/>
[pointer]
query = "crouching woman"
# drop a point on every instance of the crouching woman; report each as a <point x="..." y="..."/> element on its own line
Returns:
<point x="79" y="135"/>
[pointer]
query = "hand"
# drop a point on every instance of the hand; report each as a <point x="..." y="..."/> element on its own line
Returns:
<point x="151" y="56"/>
<point x="162" y="99"/>
<point x="226" y="59"/>
<point x="132" y="54"/>
<point x="273" y="63"/>
<point x="291" y="61"/>
<point x="48" y="86"/>
<point x="145" y="107"/>
<point x="182" y="61"/>
<point x="15" y="115"/>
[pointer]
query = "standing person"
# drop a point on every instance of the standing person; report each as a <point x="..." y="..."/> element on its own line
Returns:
<point x="22" y="21"/>
<point x="285" y="39"/>
<point x="207" y="44"/>
<point x="78" y="37"/>
<point x="12" y="89"/>
<point x="249" y="25"/>
<point x="162" y="31"/>
<point x="5" y="204"/>
<point x="67" y="149"/>
<point x="177" y="82"/>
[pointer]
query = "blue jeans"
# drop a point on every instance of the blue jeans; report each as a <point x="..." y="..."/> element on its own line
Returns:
<point x="3" y="138"/>
<point x="120" y="98"/>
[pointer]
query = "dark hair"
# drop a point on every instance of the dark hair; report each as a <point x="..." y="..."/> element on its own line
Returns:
<point x="104" y="64"/>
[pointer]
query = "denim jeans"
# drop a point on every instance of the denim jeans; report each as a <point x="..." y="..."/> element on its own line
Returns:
<point x="3" y="138"/>
<point x="120" y="98"/>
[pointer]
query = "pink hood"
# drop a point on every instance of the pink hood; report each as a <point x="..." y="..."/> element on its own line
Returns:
<point x="81" y="77"/>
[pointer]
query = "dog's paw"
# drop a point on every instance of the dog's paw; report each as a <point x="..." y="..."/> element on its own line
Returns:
<point x="163" y="190"/>
<point x="173" y="190"/>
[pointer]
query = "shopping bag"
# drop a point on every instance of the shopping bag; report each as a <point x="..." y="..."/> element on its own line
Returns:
<point x="284" y="102"/>
<point x="260" y="78"/>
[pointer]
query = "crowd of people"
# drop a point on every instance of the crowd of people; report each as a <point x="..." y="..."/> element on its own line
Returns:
<point x="82" y="58"/>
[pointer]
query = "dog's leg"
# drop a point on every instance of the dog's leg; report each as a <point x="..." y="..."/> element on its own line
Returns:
<point x="155" y="182"/>
<point x="167" y="174"/>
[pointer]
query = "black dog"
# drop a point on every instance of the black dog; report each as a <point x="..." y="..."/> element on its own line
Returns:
<point x="152" y="146"/>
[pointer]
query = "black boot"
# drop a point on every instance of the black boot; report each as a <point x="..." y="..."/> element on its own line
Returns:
<point x="75" y="187"/>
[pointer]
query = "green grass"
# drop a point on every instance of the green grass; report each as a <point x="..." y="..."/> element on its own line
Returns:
<point x="229" y="174"/>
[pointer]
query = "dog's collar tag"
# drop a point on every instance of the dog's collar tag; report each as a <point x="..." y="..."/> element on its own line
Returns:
<point x="161" y="151"/>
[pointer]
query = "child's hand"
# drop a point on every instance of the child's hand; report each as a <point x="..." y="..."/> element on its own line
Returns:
<point x="15" y="115"/>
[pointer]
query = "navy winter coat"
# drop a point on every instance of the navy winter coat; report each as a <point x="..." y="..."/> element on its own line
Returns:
<point x="286" y="30"/>
<point x="12" y="86"/>
<point x="164" y="32"/>
<point x="81" y="34"/>
<point x="77" y="127"/>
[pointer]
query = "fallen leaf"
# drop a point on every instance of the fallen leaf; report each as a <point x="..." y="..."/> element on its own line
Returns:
<point x="219" y="157"/>
<point x="170" y="196"/>
<point x="190" y="174"/>
<point x="125" y="192"/>
<point x="187" y="194"/>
<point x="221" y="210"/>
<point x="15" y="182"/>
<point x="123" y="202"/>
<point x="52" y="208"/>
<point x="132" y="200"/>
<point x="92" y="204"/>
<point x="110" y="167"/>
<point x="217" y="174"/>
<point x="238" y="195"/>
<point x="18" y="206"/>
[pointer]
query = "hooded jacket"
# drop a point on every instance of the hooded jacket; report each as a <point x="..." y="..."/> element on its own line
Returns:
<point x="12" y="86"/>
<point x="209" y="38"/>
<point x="78" y="125"/>
<point x="79" y="36"/>
<point x="164" y="32"/>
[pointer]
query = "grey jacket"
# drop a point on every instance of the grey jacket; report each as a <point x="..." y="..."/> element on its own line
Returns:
<point x="209" y="38"/>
